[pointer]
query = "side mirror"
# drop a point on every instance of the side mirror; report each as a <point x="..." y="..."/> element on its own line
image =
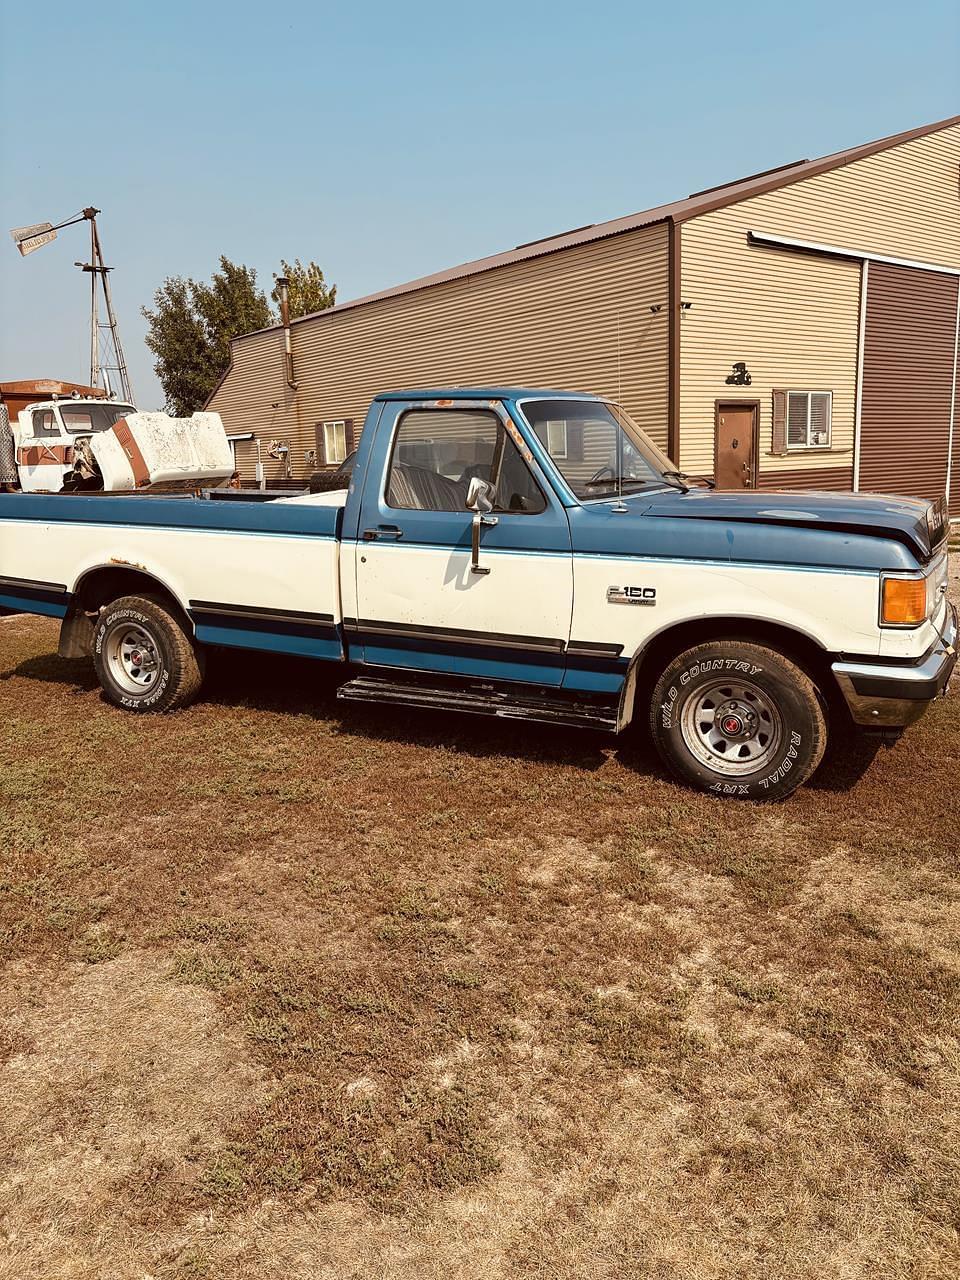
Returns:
<point x="481" y="495"/>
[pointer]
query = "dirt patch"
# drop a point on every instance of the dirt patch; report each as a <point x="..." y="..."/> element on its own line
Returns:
<point x="121" y="1076"/>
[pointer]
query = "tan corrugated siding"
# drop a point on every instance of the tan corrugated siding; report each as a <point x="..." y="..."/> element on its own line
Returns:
<point x="254" y="397"/>
<point x="793" y="317"/>
<point x="549" y="321"/>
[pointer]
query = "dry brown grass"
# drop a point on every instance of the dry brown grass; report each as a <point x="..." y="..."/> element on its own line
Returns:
<point x="296" y="991"/>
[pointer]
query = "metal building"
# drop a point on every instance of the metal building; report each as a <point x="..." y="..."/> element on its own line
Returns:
<point x="794" y="328"/>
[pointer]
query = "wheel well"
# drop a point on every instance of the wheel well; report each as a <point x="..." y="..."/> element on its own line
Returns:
<point x="98" y="587"/>
<point x="796" y="646"/>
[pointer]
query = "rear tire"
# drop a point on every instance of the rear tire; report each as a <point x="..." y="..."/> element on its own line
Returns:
<point x="144" y="659"/>
<point x="738" y="719"/>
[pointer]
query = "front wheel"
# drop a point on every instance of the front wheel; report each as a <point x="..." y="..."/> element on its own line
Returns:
<point x="738" y="719"/>
<point x="145" y="661"/>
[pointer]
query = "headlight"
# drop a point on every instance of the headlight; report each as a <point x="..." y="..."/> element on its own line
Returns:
<point x="903" y="602"/>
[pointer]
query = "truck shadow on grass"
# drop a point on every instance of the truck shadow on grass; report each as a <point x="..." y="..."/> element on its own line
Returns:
<point x="297" y="686"/>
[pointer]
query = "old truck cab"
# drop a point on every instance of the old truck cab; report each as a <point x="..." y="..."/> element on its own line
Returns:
<point x="48" y="435"/>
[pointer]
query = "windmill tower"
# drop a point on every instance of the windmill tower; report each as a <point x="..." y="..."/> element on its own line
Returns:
<point x="106" y="350"/>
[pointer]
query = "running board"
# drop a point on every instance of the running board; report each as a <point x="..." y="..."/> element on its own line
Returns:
<point x="483" y="700"/>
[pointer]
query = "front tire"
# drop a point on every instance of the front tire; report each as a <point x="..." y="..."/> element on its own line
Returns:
<point x="144" y="659"/>
<point x="738" y="719"/>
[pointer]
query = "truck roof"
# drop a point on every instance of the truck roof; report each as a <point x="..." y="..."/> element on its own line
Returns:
<point x="483" y="393"/>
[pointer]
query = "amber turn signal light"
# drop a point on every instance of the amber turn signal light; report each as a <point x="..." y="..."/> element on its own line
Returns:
<point x="904" y="601"/>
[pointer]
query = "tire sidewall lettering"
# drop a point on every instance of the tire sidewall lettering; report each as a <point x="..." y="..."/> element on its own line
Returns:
<point x="104" y="628"/>
<point x="680" y="683"/>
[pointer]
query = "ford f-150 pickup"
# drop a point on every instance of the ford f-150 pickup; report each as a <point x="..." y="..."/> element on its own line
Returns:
<point x="528" y="554"/>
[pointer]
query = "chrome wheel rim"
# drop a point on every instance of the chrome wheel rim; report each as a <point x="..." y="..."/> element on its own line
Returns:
<point x="133" y="659"/>
<point x="732" y="726"/>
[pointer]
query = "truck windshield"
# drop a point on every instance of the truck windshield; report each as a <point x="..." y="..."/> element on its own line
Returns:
<point x="594" y="443"/>
<point x="87" y="419"/>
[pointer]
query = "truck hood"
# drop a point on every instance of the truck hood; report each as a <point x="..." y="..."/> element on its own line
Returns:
<point x="918" y="524"/>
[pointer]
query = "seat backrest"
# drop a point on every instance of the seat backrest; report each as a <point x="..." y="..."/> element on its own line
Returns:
<point x="420" y="489"/>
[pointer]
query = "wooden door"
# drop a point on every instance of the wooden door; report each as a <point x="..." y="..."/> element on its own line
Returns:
<point x="735" y="446"/>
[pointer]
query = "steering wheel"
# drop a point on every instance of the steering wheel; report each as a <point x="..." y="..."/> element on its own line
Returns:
<point x="605" y="473"/>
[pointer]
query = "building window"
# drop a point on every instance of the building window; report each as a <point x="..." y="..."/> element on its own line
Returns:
<point x="809" y="419"/>
<point x="334" y="442"/>
<point x="557" y="439"/>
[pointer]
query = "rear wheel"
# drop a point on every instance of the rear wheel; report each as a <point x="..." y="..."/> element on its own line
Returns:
<point x="738" y="719"/>
<point x="144" y="659"/>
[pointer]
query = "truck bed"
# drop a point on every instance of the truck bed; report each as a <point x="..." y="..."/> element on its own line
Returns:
<point x="253" y="575"/>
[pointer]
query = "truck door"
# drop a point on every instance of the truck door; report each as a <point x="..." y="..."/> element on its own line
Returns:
<point x="44" y="453"/>
<point x="421" y="603"/>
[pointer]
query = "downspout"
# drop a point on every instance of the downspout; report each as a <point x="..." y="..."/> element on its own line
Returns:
<point x="283" y="284"/>
<point x="861" y="341"/>
<point x="673" y="342"/>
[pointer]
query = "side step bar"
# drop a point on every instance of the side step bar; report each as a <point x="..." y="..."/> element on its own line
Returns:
<point x="483" y="700"/>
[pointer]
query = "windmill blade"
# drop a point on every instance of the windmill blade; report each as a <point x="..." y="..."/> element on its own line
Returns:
<point x="29" y="239"/>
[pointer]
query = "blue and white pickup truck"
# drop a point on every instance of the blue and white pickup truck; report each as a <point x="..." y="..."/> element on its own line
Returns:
<point x="528" y="554"/>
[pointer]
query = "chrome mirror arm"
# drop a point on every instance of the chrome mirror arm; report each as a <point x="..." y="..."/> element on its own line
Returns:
<point x="480" y="519"/>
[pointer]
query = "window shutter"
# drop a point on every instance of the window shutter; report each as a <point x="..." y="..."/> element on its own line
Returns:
<point x="798" y="422"/>
<point x="321" y="451"/>
<point x="574" y="442"/>
<point x="349" y="437"/>
<point x="779" y="441"/>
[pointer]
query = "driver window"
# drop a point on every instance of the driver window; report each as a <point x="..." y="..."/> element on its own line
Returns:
<point x="44" y="423"/>
<point x="436" y="453"/>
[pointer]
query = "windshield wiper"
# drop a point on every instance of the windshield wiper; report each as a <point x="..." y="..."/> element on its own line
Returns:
<point x="679" y="480"/>
<point x="612" y="482"/>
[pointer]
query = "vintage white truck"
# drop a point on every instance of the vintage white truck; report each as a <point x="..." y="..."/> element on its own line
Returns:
<point x="520" y="553"/>
<point x="75" y="444"/>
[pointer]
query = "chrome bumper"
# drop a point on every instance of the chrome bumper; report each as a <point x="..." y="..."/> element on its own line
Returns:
<point x="888" y="696"/>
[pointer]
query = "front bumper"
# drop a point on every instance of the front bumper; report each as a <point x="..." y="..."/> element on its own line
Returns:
<point x="883" y="695"/>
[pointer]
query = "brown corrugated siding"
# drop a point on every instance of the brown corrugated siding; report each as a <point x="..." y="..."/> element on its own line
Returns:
<point x="907" y="381"/>
<point x="549" y="321"/>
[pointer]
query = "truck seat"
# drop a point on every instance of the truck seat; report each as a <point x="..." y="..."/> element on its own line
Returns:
<point x="420" y="489"/>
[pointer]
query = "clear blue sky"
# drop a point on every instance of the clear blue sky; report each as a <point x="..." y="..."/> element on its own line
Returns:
<point x="387" y="140"/>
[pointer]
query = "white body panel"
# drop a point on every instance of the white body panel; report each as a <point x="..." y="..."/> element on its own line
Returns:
<point x="837" y="609"/>
<point x="266" y="570"/>
<point x="524" y="594"/>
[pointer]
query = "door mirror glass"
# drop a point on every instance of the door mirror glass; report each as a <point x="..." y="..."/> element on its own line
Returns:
<point x="481" y="495"/>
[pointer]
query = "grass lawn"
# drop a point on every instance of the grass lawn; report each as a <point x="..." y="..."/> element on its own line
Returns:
<point x="295" y="989"/>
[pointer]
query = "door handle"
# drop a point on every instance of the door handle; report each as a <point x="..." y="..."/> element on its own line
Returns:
<point x="383" y="533"/>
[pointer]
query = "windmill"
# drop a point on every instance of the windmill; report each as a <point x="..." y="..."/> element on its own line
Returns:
<point x="106" y="353"/>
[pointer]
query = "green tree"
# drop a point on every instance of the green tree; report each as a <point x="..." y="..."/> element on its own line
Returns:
<point x="191" y="326"/>
<point x="308" y="291"/>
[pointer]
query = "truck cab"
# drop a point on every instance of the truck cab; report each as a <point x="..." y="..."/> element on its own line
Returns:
<point x="48" y="434"/>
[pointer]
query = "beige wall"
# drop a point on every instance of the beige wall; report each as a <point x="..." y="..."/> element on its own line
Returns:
<point x="794" y="317"/>
<point x="548" y="321"/>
